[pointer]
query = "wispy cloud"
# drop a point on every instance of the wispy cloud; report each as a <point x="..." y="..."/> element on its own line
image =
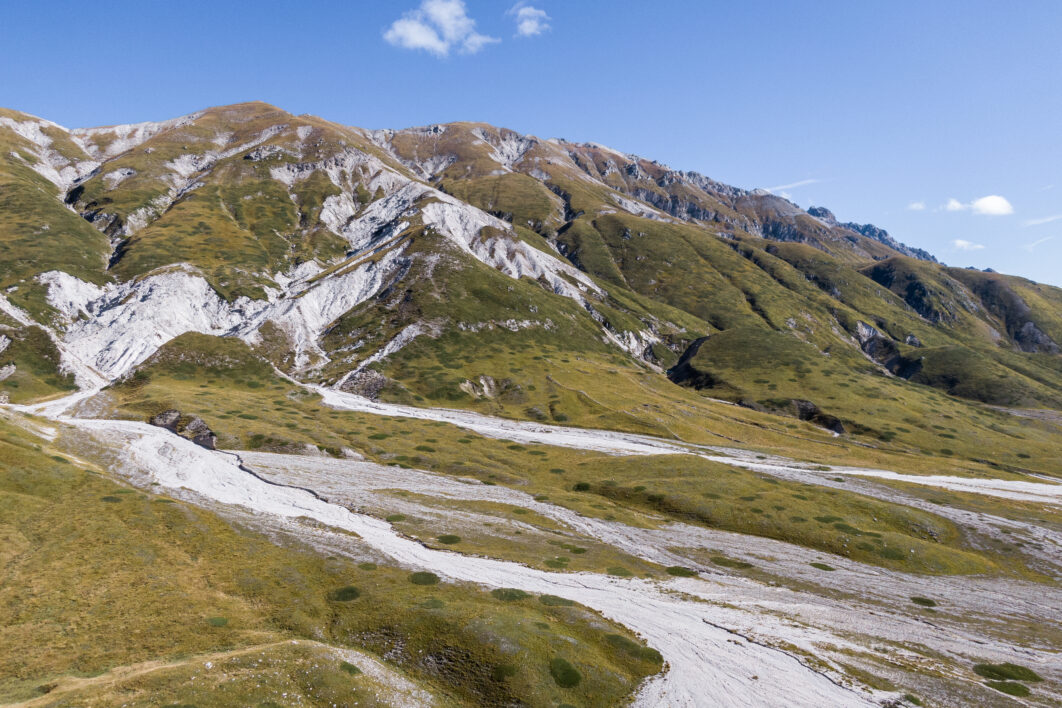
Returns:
<point x="530" y="20"/>
<point x="964" y="245"/>
<point x="1042" y="220"/>
<point x="992" y="205"/>
<point x="916" y="206"/>
<point x="793" y="185"/>
<point x="438" y="26"/>
<point x="1031" y="246"/>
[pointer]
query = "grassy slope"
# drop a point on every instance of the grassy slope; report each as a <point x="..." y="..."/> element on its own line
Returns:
<point x="75" y="543"/>
<point x="37" y="232"/>
<point x="36" y="362"/>
<point x="221" y="381"/>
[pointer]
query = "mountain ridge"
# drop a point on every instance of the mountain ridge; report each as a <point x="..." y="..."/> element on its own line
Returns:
<point x="337" y="251"/>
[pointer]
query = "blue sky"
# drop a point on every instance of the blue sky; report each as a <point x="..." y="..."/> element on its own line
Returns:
<point x="872" y="109"/>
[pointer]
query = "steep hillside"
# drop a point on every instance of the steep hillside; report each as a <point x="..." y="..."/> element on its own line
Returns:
<point x="368" y="259"/>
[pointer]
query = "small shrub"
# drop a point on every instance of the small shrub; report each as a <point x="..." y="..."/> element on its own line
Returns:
<point x="395" y="517"/>
<point x="344" y="594"/>
<point x="424" y="578"/>
<point x="619" y="571"/>
<point x="1006" y="672"/>
<point x="449" y="539"/>
<point x="924" y="601"/>
<point x="349" y="668"/>
<point x="110" y="500"/>
<point x="1009" y="687"/>
<point x="581" y="487"/>
<point x="554" y="601"/>
<point x="503" y="671"/>
<point x="822" y="566"/>
<point x="681" y="571"/>
<point x="509" y="594"/>
<point x="217" y="621"/>
<point x="564" y="674"/>
<point x="730" y="562"/>
<point x="618" y="641"/>
<point x="367" y="566"/>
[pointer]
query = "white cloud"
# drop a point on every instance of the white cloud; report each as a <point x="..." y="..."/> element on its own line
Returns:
<point x="793" y="185"/>
<point x="530" y="21"/>
<point x="964" y="245"/>
<point x="438" y="26"/>
<point x="992" y="205"/>
<point x="916" y="206"/>
<point x="1044" y="220"/>
<point x="1030" y="246"/>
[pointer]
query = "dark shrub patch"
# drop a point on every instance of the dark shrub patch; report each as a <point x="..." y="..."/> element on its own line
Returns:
<point x="217" y="621"/>
<point x="681" y="571"/>
<point x="554" y="601"/>
<point x="344" y="594"/>
<point x="110" y="500"/>
<point x="424" y="578"/>
<point x="564" y="673"/>
<point x="509" y="594"/>
<point x="1005" y="672"/>
<point x="1009" y="687"/>
<point x="730" y="562"/>
<point x="581" y="487"/>
<point x="349" y="668"/>
<point x="395" y="517"/>
<point x="449" y="539"/>
<point x="618" y="641"/>
<point x="925" y="602"/>
<point x="822" y="566"/>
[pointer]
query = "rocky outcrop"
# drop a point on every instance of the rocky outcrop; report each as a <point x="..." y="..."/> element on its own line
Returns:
<point x="189" y="427"/>
<point x="886" y="351"/>
<point x="806" y="410"/>
<point x="873" y="232"/>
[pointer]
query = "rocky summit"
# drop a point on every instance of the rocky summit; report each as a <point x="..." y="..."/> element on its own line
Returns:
<point x="453" y="415"/>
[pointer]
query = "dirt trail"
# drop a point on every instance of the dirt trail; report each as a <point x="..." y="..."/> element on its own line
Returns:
<point x="72" y="684"/>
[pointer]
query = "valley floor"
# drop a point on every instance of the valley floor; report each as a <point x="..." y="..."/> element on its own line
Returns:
<point x="760" y="622"/>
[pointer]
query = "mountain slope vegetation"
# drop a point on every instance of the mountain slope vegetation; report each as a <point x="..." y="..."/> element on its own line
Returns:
<point x="522" y="358"/>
